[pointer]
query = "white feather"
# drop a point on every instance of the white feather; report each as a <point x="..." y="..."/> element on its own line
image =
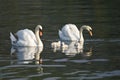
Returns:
<point x="69" y="32"/>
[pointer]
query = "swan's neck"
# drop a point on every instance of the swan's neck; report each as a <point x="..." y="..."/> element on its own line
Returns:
<point x="39" y="42"/>
<point x="81" y="36"/>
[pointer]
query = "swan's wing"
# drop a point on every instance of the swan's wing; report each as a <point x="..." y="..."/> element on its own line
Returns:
<point x="31" y="34"/>
<point x="69" y="32"/>
<point x="75" y="32"/>
<point x="25" y="34"/>
<point x="26" y="38"/>
<point x="63" y="35"/>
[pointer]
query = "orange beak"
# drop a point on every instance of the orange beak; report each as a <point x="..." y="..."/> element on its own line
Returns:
<point x="90" y="32"/>
<point x="41" y="33"/>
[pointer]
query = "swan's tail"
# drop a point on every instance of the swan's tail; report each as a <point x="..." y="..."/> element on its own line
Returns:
<point x="13" y="39"/>
<point x="60" y="33"/>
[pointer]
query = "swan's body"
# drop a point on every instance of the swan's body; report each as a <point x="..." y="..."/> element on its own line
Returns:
<point x="26" y="37"/>
<point x="70" y="32"/>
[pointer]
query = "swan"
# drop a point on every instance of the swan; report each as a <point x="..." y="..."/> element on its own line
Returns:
<point x="55" y="44"/>
<point x="70" y="32"/>
<point x="26" y="37"/>
<point x="58" y="44"/>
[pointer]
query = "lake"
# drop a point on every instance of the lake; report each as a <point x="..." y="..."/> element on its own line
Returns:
<point x="99" y="60"/>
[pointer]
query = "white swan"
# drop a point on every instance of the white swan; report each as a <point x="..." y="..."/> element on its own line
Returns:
<point x="70" y="32"/>
<point x="26" y="37"/>
<point x="58" y="44"/>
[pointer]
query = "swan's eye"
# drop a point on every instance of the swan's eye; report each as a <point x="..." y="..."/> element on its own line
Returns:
<point x="90" y="29"/>
<point x="90" y="32"/>
<point x="40" y="32"/>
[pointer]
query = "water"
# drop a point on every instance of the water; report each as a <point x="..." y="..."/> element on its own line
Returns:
<point x="98" y="61"/>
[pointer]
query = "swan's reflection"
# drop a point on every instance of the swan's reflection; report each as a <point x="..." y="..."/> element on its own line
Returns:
<point x="70" y="48"/>
<point x="25" y="55"/>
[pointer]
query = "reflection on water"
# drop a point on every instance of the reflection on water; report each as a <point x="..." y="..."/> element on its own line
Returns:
<point x="96" y="61"/>
<point x="70" y="48"/>
<point x="25" y="55"/>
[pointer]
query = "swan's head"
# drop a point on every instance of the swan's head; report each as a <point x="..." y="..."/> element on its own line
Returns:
<point x="88" y="28"/>
<point x="39" y="28"/>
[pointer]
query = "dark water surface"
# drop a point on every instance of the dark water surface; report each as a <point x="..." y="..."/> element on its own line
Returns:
<point x="100" y="59"/>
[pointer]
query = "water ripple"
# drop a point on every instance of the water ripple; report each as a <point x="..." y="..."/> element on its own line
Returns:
<point x="95" y="75"/>
<point x="61" y="60"/>
<point x="52" y="78"/>
<point x="85" y="61"/>
<point x="31" y="66"/>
